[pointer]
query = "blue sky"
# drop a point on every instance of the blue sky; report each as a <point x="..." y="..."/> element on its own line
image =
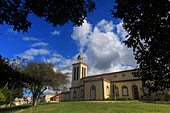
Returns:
<point x="99" y="40"/>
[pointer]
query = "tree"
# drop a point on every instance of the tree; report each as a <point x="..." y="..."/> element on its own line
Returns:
<point x="147" y="23"/>
<point x="10" y="73"/>
<point x="12" y="82"/>
<point x="41" y="76"/>
<point x="57" y="12"/>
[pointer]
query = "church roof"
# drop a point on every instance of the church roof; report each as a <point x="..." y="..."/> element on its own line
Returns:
<point x="107" y="74"/>
<point x="79" y="63"/>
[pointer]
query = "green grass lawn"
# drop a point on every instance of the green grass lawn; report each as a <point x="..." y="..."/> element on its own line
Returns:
<point x="90" y="107"/>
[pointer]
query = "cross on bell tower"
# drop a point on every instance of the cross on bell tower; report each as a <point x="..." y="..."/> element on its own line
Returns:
<point x="80" y="58"/>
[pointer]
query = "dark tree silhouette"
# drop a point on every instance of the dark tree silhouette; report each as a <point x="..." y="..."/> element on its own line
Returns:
<point x="147" y="23"/>
<point x="57" y="12"/>
<point x="11" y="79"/>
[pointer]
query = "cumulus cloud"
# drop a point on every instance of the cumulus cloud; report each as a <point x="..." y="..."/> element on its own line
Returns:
<point x="120" y="31"/>
<point x="105" y="26"/>
<point x="30" y="38"/>
<point x="11" y="31"/>
<point x="55" y="32"/>
<point x="81" y="33"/>
<point x="39" y="44"/>
<point x="51" y="60"/>
<point x="49" y="91"/>
<point x="56" y="54"/>
<point x="29" y="54"/>
<point x="104" y="51"/>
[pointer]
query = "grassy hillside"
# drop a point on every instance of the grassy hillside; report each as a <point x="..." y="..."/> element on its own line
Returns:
<point x="90" y="107"/>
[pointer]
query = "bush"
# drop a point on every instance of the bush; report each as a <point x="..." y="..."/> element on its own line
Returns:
<point x="119" y="99"/>
<point x="162" y="98"/>
<point x="2" y="97"/>
<point x="123" y="99"/>
<point x="7" y="101"/>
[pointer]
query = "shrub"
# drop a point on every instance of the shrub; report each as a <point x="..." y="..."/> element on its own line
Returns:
<point x="118" y="98"/>
<point x="7" y="101"/>
<point x="2" y="97"/>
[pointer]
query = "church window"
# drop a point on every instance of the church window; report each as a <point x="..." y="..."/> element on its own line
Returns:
<point x="82" y="72"/>
<point x="117" y="91"/>
<point x="124" y="91"/>
<point x="74" y="94"/>
<point x="77" y="73"/>
<point x="107" y="90"/>
<point x="74" y="73"/>
<point x="82" y="93"/>
<point x="123" y="75"/>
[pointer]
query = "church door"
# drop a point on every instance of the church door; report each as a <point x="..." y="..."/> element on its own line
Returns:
<point x="135" y="92"/>
<point x="93" y="93"/>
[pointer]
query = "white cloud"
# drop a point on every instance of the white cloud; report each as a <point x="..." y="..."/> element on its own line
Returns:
<point x="29" y="54"/>
<point x="120" y="31"/>
<point x="49" y="91"/>
<point x="55" y="32"/>
<point x="11" y="31"/>
<point x="81" y="33"/>
<point x="39" y="44"/>
<point x="54" y="58"/>
<point x="51" y="60"/>
<point x="30" y="38"/>
<point x="105" y="26"/>
<point x="104" y="51"/>
<point x="56" y="55"/>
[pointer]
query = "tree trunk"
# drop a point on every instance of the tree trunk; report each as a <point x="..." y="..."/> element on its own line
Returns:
<point x="35" y="101"/>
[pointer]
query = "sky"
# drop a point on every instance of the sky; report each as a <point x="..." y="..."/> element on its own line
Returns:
<point x="99" y="40"/>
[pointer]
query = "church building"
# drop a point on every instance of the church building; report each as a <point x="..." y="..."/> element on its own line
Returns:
<point x="120" y="84"/>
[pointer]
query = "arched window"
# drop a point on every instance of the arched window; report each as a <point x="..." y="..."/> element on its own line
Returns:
<point x="93" y="92"/>
<point x="82" y="93"/>
<point x="74" y="94"/>
<point x="124" y="91"/>
<point x="117" y="91"/>
<point x="107" y="90"/>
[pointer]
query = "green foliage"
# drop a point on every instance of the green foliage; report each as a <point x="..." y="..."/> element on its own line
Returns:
<point x="164" y="97"/>
<point x="6" y="102"/>
<point x="11" y="94"/>
<point x="57" y="12"/>
<point x="41" y="76"/>
<point x="12" y="82"/>
<point x="2" y="97"/>
<point x="147" y="23"/>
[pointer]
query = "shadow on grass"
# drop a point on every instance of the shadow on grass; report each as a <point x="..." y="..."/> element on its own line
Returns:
<point x="16" y="108"/>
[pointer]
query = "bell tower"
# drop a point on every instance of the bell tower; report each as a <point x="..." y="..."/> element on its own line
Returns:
<point x="79" y="71"/>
